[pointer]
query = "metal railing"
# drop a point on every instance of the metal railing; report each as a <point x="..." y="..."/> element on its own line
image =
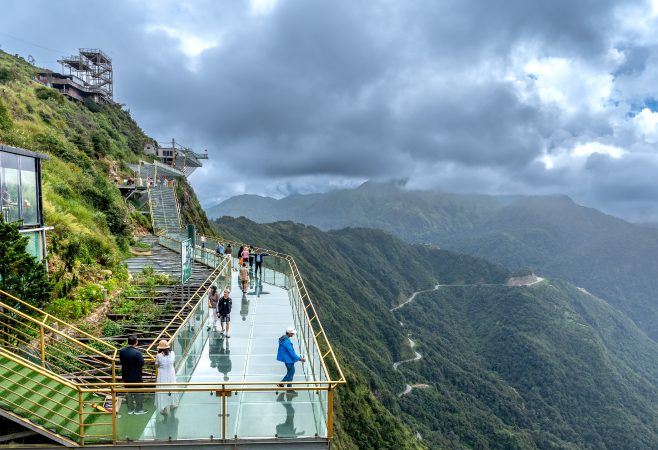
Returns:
<point x="35" y="335"/>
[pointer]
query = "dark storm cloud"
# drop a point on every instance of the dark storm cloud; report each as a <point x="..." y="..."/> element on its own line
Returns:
<point x="293" y="96"/>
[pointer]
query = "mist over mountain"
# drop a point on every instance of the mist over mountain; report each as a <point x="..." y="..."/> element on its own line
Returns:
<point x="415" y="216"/>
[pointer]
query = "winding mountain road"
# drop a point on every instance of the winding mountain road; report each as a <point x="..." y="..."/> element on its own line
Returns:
<point x="396" y="364"/>
<point x="412" y="297"/>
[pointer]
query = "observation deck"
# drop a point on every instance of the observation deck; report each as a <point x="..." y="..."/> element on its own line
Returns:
<point x="227" y="387"/>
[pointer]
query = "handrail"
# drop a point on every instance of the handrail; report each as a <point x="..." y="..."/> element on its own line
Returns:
<point x="173" y="191"/>
<point x="185" y="306"/>
<point x="46" y="373"/>
<point x="47" y="316"/>
<point x="148" y="191"/>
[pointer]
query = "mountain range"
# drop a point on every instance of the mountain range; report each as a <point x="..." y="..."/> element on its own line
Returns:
<point x="607" y="256"/>
<point x="502" y="367"/>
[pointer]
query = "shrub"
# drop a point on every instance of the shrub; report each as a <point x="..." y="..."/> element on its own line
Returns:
<point x="101" y="142"/>
<point x="111" y="328"/>
<point x="70" y="310"/>
<point x="45" y="117"/>
<point x="5" y="120"/>
<point x="5" y="75"/>
<point x="92" y="105"/>
<point x="44" y="93"/>
<point x="92" y="293"/>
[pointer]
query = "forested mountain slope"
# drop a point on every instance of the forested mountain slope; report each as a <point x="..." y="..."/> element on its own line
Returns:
<point x="354" y="277"/>
<point x="415" y="216"/>
<point x="544" y="366"/>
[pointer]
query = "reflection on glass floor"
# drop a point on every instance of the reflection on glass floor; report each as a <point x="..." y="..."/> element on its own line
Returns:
<point x="258" y="319"/>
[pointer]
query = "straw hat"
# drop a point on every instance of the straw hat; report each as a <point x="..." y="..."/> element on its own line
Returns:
<point x="163" y="344"/>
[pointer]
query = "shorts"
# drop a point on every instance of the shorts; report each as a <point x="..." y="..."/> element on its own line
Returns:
<point x="226" y="318"/>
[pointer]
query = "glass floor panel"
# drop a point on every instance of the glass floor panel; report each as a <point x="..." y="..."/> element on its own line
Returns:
<point x="258" y="319"/>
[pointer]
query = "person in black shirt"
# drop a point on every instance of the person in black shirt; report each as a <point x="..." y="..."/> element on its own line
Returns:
<point x="224" y="306"/>
<point x="132" y="362"/>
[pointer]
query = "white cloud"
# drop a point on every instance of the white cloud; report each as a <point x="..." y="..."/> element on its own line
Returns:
<point x="647" y="125"/>
<point x="571" y="84"/>
<point x="190" y="44"/>
<point x="262" y="6"/>
<point x="596" y="147"/>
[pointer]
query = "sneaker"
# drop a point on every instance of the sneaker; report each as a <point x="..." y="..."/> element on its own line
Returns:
<point x="140" y="412"/>
<point x="278" y="385"/>
<point x="131" y="412"/>
<point x="291" y="393"/>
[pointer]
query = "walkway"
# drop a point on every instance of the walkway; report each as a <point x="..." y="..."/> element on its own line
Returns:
<point x="258" y="319"/>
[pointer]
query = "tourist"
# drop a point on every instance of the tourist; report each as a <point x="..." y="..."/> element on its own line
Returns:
<point x="132" y="362"/>
<point x="287" y="355"/>
<point x="229" y="253"/>
<point x="164" y="361"/>
<point x="251" y="257"/>
<point x="213" y="298"/>
<point x="203" y="241"/>
<point x="165" y="180"/>
<point x="224" y="306"/>
<point x="220" y="249"/>
<point x="240" y="256"/>
<point x="244" y="276"/>
<point x="245" y="255"/>
<point x="258" y="259"/>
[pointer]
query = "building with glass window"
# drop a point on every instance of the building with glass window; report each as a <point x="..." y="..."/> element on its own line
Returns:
<point x="20" y="181"/>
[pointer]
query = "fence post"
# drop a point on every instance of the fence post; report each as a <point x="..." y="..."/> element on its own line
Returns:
<point x="114" y="416"/>
<point x="43" y="348"/>
<point x="330" y="409"/>
<point x="224" y="411"/>
<point x="81" y="417"/>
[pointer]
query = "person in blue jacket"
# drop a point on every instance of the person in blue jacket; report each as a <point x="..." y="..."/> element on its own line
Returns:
<point x="287" y="355"/>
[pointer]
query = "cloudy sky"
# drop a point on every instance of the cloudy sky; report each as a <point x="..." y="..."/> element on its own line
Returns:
<point x="495" y="96"/>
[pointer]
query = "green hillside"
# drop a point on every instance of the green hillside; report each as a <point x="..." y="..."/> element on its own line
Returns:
<point x="502" y="367"/>
<point x="415" y="216"/>
<point x="90" y="146"/>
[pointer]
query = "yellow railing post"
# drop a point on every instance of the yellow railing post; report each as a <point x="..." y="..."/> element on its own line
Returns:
<point x="224" y="411"/>
<point x="114" y="370"/>
<point x="114" y="416"/>
<point x="330" y="411"/>
<point x="43" y="348"/>
<point x="81" y="417"/>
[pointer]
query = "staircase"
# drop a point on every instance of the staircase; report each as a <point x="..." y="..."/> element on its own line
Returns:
<point x="164" y="210"/>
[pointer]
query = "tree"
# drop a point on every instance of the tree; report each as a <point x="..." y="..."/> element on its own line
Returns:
<point x="21" y="275"/>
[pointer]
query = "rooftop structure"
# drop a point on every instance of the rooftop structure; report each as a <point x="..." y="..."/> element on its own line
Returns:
<point x="180" y="158"/>
<point x="89" y="75"/>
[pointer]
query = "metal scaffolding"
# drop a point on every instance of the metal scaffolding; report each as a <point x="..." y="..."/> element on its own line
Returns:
<point x="94" y="68"/>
